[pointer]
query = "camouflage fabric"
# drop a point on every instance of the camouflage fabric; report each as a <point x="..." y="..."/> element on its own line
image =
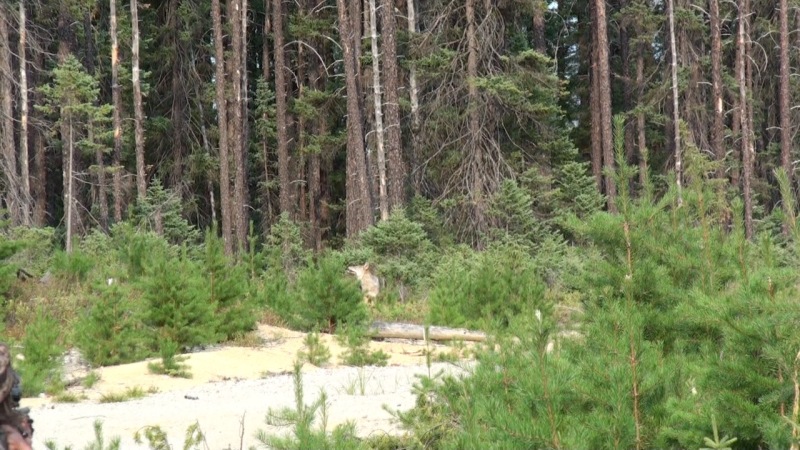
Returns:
<point x="16" y="426"/>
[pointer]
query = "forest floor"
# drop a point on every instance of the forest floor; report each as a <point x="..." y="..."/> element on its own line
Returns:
<point x="232" y="389"/>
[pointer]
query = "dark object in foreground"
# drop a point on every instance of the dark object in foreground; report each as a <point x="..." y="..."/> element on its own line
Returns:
<point x="16" y="427"/>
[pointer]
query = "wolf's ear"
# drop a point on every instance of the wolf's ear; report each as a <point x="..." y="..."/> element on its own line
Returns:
<point x="367" y="267"/>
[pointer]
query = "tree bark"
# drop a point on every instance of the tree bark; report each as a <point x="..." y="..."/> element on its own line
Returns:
<point x="676" y="123"/>
<point x="604" y="102"/>
<point x="116" y="100"/>
<point x="282" y="111"/>
<point x="747" y="144"/>
<point x="9" y="161"/>
<point x="236" y="123"/>
<point x="25" y="185"/>
<point x="718" y="124"/>
<point x="477" y="193"/>
<point x="39" y="188"/>
<point x="416" y="120"/>
<point x="359" y="205"/>
<point x="539" y="40"/>
<point x="222" y="122"/>
<point x="138" y="109"/>
<point x="65" y="129"/>
<point x="784" y="98"/>
<point x="383" y="197"/>
<point x="396" y="166"/>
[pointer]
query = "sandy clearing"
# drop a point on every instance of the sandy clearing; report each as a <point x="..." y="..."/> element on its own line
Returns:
<point x="231" y="386"/>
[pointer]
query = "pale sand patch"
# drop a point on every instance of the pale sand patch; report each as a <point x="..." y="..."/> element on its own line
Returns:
<point x="230" y="382"/>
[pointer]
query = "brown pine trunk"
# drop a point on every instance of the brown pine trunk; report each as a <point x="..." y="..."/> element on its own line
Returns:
<point x="627" y="85"/>
<point x="718" y="124"/>
<point x="282" y="111"/>
<point x="784" y="98"/>
<point x="222" y="121"/>
<point x="359" y="205"/>
<point x="116" y="100"/>
<point x="25" y="185"/>
<point x="676" y="123"/>
<point x="394" y="148"/>
<point x="747" y="143"/>
<point x="539" y="42"/>
<point x="9" y="162"/>
<point x="39" y="187"/>
<point x="604" y="101"/>
<point x="138" y="109"/>
<point x="236" y="122"/>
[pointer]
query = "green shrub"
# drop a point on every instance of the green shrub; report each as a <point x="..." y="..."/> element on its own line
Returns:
<point x="325" y="297"/>
<point x="177" y="303"/>
<point x="357" y="351"/>
<point x="8" y="247"/>
<point x="111" y="332"/>
<point x="73" y="267"/>
<point x="484" y="289"/>
<point x="227" y="286"/>
<point x="399" y="248"/>
<point x="41" y="367"/>
<point x="316" y="352"/>
<point x="161" y="212"/>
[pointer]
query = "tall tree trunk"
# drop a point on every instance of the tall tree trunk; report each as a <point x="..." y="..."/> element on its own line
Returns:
<point x="676" y="123"/>
<point x="138" y="109"/>
<point x="240" y="183"/>
<point x="282" y="111"/>
<point x="235" y="122"/>
<point x="627" y="84"/>
<point x="359" y="205"/>
<point x="25" y="185"/>
<point x="116" y="100"/>
<point x="747" y="143"/>
<point x="604" y="101"/>
<point x="67" y="154"/>
<point x="718" y="124"/>
<point x="383" y="197"/>
<point x="416" y="119"/>
<point x="539" y="40"/>
<point x="39" y="188"/>
<point x="70" y="194"/>
<point x="784" y="98"/>
<point x="476" y="192"/>
<point x="394" y="148"/>
<point x="9" y="161"/>
<point x="222" y="122"/>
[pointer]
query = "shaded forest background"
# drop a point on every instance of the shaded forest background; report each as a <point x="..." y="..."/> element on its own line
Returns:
<point x="337" y="113"/>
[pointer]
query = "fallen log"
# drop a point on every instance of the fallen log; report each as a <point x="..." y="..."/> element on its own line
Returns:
<point x="399" y="330"/>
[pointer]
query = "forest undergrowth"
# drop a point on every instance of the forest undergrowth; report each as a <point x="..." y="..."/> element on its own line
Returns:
<point x="660" y="326"/>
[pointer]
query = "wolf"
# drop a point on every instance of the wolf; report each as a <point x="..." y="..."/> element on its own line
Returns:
<point x="370" y="283"/>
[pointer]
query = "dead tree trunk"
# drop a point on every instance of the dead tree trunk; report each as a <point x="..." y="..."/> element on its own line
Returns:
<point x="383" y="197"/>
<point x="747" y="143"/>
<point x="676" y="123"/>
<point x="116" y="100"/>
<point x="25" y="185"/>
<point x="138" y="109"/>
<point x="9" y="161"/>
